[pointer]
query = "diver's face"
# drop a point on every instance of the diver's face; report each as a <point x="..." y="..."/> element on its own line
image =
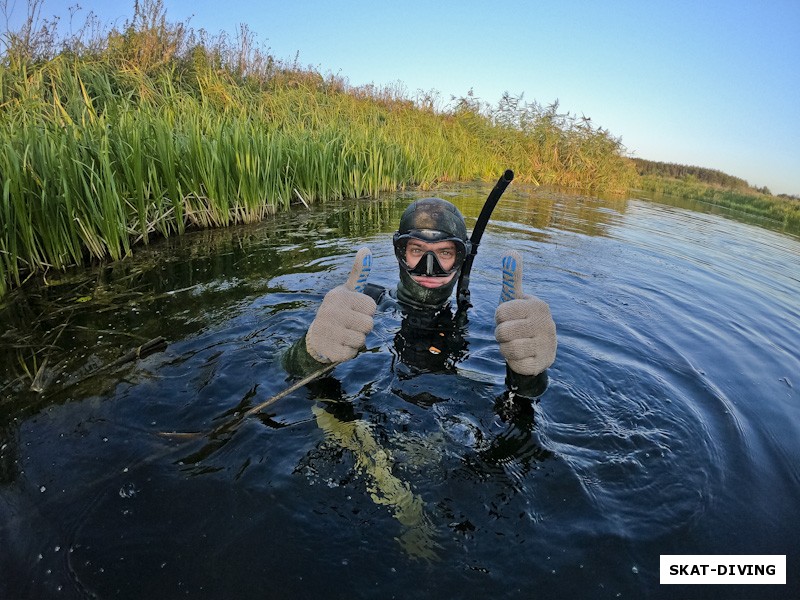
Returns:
<point x="445" y="253"/>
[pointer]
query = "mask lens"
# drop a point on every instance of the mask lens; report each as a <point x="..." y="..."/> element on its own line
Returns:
<point x="429" y="263"/>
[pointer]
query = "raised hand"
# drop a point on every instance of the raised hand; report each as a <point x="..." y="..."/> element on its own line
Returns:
<point x="524" y="327"/>
<point x="345" y="317"/>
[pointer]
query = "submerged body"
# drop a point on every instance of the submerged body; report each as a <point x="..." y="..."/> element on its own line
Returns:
<point x="431" y="247"/>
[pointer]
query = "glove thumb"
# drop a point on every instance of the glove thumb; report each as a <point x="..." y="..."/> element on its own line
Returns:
<point x="362" y="265"/>
<point x="512" y="277"/>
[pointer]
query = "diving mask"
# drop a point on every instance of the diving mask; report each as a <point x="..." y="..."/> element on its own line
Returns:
<point x="429" y="263"/>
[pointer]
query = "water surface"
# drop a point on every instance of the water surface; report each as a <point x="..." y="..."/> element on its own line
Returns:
<point x="670" y="424"/>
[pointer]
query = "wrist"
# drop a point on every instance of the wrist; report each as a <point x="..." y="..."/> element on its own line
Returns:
<point x="527" y="386"/>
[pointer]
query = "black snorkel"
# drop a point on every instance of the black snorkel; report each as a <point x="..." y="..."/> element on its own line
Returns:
<point x="462" y="293"/>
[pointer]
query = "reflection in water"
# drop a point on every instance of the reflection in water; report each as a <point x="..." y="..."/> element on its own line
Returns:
<point x="671" y="414"/>
<point x="61" y="333"/>
<point x="377" y="463"/>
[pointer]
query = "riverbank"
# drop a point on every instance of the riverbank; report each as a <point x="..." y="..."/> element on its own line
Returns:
<point x="785" y="211"/>
<point x="154" y="129"/>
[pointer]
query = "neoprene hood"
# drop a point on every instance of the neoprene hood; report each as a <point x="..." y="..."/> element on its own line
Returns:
<point x="430" y="220"/>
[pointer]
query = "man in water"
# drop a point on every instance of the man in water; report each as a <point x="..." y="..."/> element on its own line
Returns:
<point x="431" y="246"/>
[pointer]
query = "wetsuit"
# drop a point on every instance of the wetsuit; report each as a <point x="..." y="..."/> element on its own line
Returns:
<point x="431" y="245"/>
<point x="429" y="340"/>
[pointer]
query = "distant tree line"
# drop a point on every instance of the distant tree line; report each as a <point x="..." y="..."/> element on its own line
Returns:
<point x="675" y="171"/>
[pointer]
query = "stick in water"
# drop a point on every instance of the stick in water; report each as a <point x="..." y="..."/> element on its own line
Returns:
<point x="295" y="386"/>
<point x="356" y="281"/>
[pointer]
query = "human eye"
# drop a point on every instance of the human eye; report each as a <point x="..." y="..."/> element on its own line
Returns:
<point x="447" y="253"/>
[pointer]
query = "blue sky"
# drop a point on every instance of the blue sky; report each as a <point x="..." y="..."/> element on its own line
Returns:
<point x="714" y="84"/>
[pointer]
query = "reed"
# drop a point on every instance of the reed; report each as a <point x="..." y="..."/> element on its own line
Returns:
<point x="141" y="134"/>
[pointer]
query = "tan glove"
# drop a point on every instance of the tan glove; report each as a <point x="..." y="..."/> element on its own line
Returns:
<point x="345" y="317"/>
<point x="525" y="329"/>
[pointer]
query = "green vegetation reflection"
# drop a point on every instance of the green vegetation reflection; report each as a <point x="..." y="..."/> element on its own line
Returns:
<point x="61" y="330"/>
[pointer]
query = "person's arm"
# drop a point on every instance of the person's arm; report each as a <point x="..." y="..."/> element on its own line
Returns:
<point x="525" y="331"/>
<point x="526" y="386"/>
<point x="298" y="362"/>
<point x="340" y="326"/>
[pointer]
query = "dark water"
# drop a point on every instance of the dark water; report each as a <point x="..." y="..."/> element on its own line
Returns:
<point x="670" y="424"/>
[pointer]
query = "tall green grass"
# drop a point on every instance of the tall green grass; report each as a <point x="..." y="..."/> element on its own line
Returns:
<point x="143" y="134"/>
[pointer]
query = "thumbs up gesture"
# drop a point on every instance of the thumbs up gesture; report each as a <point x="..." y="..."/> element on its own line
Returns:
<point x="525" y="329"/>
<point x="345" y="317"/>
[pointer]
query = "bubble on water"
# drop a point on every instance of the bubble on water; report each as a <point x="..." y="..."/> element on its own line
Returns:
<point x="128" y="491"/>
<point x="43" y="489"/>
<point x="461" y="431"/>
<point x="635" y="570"/>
